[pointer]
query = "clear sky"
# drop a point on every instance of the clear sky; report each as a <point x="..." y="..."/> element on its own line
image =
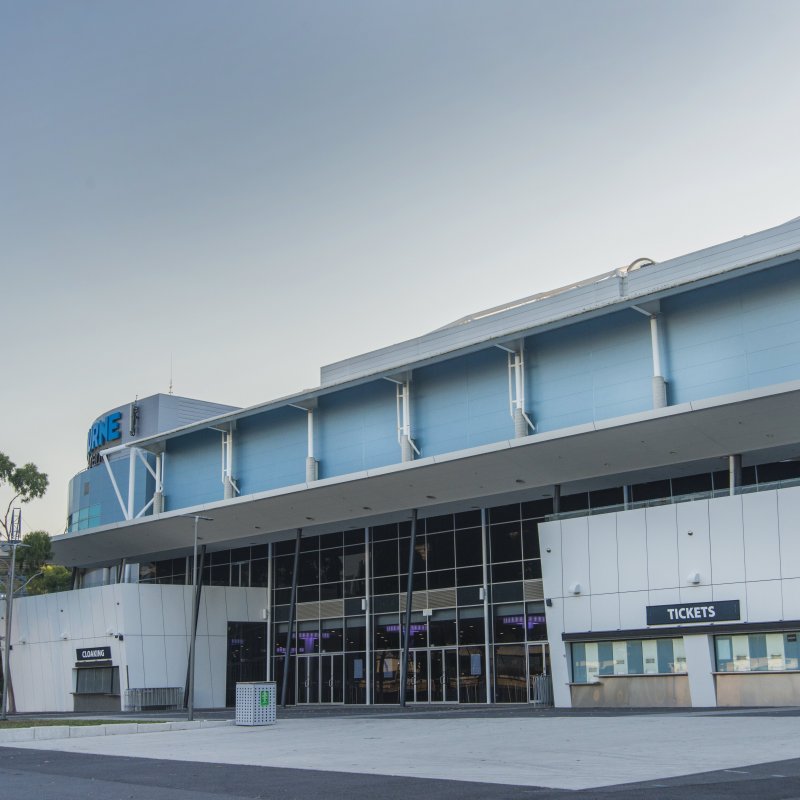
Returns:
<point x="259" y="188"/>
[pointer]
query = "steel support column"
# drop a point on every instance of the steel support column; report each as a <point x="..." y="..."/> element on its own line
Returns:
<point x="409" y="599"/>
<point x="292" y="607"/>
<point x="487" y="627"/>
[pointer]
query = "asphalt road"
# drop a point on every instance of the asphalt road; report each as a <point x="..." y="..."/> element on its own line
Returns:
<point x="53" y="775"/>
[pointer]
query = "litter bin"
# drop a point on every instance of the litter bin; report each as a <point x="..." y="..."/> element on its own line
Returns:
<point x="255" y="703"/>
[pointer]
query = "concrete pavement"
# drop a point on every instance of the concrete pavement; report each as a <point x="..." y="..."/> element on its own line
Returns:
<point x="558" y="752"/>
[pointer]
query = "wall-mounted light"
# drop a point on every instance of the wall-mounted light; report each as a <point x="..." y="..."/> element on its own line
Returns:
<point x="548" y="602"/>
<point x="575" y="588"/>
<point x="64" y="635"/>
<point x="693" y="577"/>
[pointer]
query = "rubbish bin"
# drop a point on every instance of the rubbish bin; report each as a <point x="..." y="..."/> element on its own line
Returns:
<point x="255" y="703"/>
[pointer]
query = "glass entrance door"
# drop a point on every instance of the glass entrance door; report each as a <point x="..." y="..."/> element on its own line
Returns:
<point x="444" y="675"/>
<point x="432" y="675"/>
<point x="320" y="678"/>
<point x="540" y="683"/>
<point x="332" y="678"/>
<point x="307" y="679"/>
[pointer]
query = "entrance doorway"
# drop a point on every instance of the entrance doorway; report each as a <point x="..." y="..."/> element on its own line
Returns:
<point x="432" y="675"/>
<point x="540" y="682"/>
<point x="320" y="678"/>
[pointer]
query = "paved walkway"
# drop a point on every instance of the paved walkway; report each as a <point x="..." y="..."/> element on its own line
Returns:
<point x="560" y="752"/>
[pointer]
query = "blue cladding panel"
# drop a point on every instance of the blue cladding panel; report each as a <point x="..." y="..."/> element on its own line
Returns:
<point x="734" y="336"/>
<point x="270" y="450"/>
<point x="595" y="370"/>
<point x="461" y="403"/>
<point x="193" y="470"/>
<point x="357" y="429"/>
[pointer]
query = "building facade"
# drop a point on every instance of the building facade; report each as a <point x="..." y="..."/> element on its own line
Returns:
<point x="587" y="497"/>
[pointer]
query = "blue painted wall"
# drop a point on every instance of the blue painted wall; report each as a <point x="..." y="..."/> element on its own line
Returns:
<point x="733" y="336"/>
<point x="193" y="470"/>
<point x="270" y="450"/>
<point x="357" y="429"/>
<point x="597" y="369"/>
<point x="461" y="403"/>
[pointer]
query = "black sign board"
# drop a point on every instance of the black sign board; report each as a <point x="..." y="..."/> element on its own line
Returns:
<point x="694" y="613"/>
<point x="93" y="654"/>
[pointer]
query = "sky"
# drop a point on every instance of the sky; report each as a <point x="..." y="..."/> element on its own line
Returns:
<point x="236" y="193"/>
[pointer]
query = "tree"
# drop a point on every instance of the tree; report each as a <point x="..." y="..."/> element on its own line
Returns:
<point x="27" y="483"/>
<point x="54" y="578"/>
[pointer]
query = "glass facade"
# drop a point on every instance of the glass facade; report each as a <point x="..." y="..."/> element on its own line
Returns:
<point x="758" y="652"/>
<point x="592" y="660"/>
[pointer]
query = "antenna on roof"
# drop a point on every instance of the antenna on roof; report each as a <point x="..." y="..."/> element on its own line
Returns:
<point x="170" y="373"/>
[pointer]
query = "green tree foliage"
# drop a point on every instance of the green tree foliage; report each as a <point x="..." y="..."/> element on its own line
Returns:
<point x="33" y="559"/>
<point x="26" y="483"/>
<point x="54" y="578"/>
<point x="38" y="551"/>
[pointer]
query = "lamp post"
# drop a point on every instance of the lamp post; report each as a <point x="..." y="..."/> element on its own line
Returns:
<point x="12" y="545"/>
<point x="195" y="587"/>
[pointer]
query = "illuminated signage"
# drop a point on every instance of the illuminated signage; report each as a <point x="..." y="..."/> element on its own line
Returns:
<point x="103" y="431"/>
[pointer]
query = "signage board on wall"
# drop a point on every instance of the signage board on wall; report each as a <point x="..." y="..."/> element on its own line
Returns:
<point x="93" y="654"/>
<point x="694" y="613"/>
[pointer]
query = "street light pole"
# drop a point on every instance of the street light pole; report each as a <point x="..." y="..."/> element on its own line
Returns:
<point x="13" y="545"/>
<point x="193" y="639"/>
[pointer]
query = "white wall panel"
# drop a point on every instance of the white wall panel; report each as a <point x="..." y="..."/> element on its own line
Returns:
<point x="733" y="591"/>
<point x="176" y="649"/>
<point x="662" y="547"/>
<point x="632" y="550"/>
<point x="577" y="614"/>
<point x="632" y="612"/>
<point x="696" y="594"/>
<point x="694" y="546"/>
<point x="663" y="597"/>
<point x="175" y="623"/>
<point x="764" y="601"/>
<point x="761" y="540"/>
<point x="203" y="697"/>
<point x="150" y="608"/>
<point x="236" y="604"/>
<point x="791" y="598"/>
<point x="129" y="609"/>
<point x="605" y="612"/>
<point x="789" y="531"/>
<point x="727" y="539"/>
<point x="575" y="555"/>
<point x="603" y="553"/>
<point x="71" y="618"/>
<point x="214" y="602"/>
<point x="550" y="546"/>
<point x="133" y="657"/>
<point x="219" y="657"/>
<point x="155" y="661"/>
<point x="97" y="597"/>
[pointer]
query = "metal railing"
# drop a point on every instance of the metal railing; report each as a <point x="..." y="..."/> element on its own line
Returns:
<point x="161" y="699"/>
<point x="541" y="690"/>
<point x="749" y="488"/>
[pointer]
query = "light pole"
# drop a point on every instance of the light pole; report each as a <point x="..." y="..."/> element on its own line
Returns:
<point x="195" y="587"/>
<point x="12" y="545"/>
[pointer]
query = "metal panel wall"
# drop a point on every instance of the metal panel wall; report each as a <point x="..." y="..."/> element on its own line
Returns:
<point x="270" y="450"/>
<point x="461" y="403"/>
<point x="358" y="429"/>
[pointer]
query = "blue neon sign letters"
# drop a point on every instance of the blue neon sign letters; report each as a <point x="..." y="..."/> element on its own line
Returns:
<point x="103" y="431"/>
